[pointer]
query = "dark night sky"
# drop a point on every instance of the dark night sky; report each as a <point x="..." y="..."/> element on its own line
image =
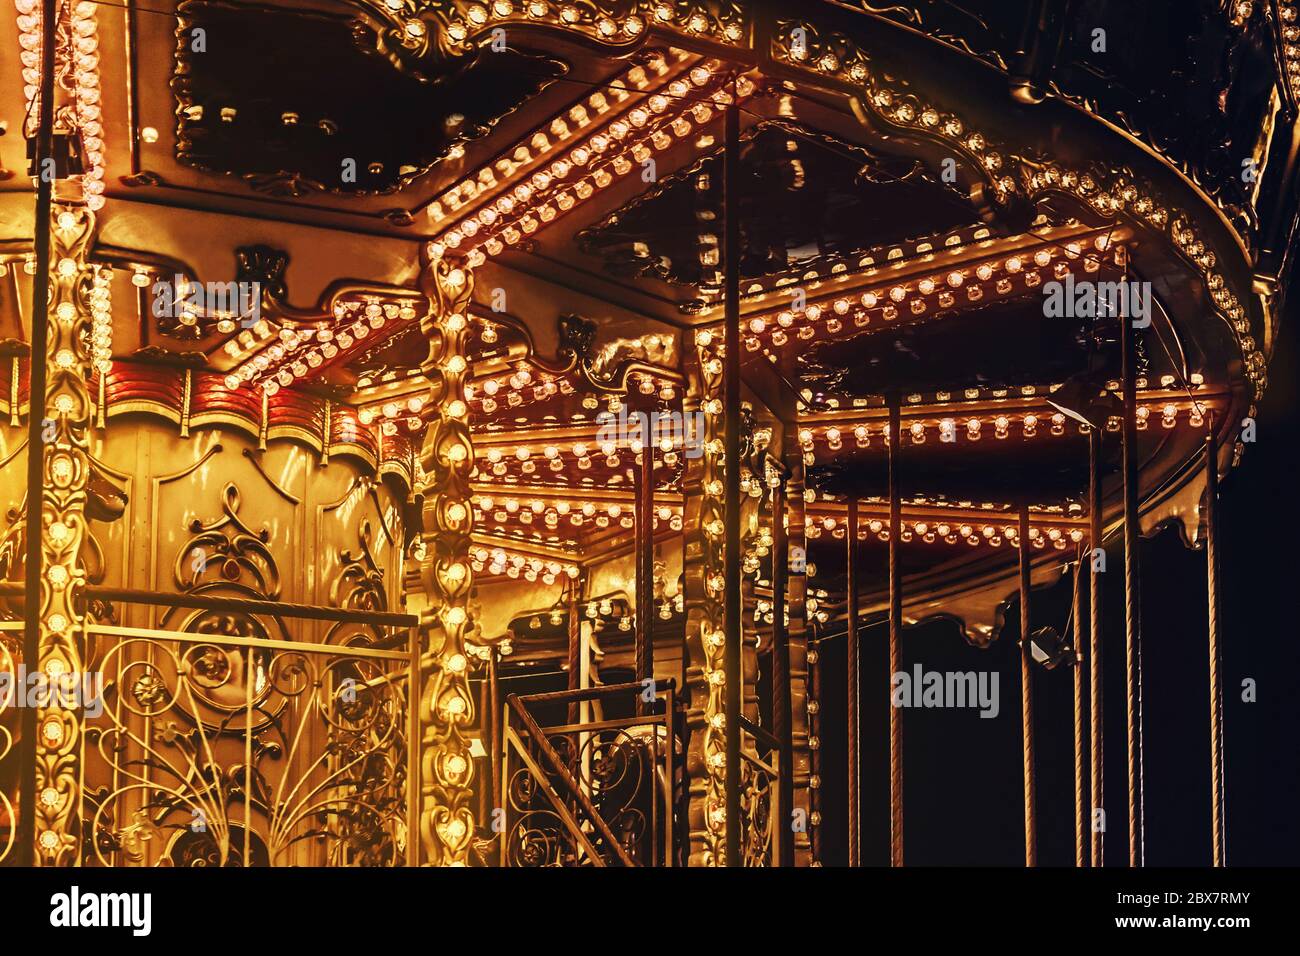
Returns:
<point x="963" y="790"/>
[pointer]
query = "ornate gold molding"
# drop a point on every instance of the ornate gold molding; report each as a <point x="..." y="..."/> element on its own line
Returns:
<point x="66" y="473"/>
<point x="1114" y="193"/>
<point x="413" y="32"/>
<point x="447" y="458"/>
<point x="705" y="638"/>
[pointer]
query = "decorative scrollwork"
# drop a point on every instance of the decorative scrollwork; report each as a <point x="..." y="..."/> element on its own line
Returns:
<point x="705" y="637"/>
<point x="311" y="768"/>
<point x="621" y="771"/>
<point x="66" y="472"/>
<point x="226" y="550"/>
<point x="758" y="787"/>
<point x="447" y="457"/>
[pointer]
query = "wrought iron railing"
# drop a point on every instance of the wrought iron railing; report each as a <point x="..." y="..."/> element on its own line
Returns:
<point x="219" y="750"/>
<point x="760" y="809"/>
<point x="233" y="738"/>
<point x="595" y="792"/>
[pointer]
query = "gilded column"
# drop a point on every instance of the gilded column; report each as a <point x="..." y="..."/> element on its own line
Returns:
<point x="803" y="704"/>
<point x="446" y="707"/>
<point x="63" y="527"/>
<point x="705" y="639"/>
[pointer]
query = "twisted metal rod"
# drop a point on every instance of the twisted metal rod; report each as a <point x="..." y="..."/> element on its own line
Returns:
<point x="1132" y="596"/>
<point x="1219" y="852"/>
<point x="1096" y="687"/>
<point x="1027" y="696"/>
<point x="895" y="641"/>
<point x="852" y="652"/>
<point x="1080" y="782"/>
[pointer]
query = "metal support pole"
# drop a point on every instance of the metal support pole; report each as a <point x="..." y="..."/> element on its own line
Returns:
<point x="1078" y="673"/>
<point x="645" y="570"/>
<point x="26" y="855"/>
<point x="1096" y="687"/>
<point x="782" y="726"/>
<point x="1220" y="850"/>
<point x="575" y="645"/>
<point x="895" y="639"/>
<point x="1027" y="694"/>
<point x="731" y="603"/>
<point x="1132" y="596"/>
<point x="495" y="737"/>
<point x="853" y="653"/>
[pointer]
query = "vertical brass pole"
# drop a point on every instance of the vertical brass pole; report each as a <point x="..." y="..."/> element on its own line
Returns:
<point x="487" y="793"/>
<point x="895" y="638"/>
<point x="782" y="725"/>
<point x="1096" y="687"/>
<point x="575" y="645"/>
<point x="1132" y="595"/>
<point x="645" y="568"/>
<point x="815" y="837"/>
<point x="1027" y="694"/>
<point x="1219" y="853"/>
<point x="1078" y="673"/>
<point x="35" y="425"/>
<point x="495" y="736"/>
<point x="731" y="603"/>
<point x="854" y="685"/>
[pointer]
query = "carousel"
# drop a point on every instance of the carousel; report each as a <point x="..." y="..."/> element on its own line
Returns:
<point x="491" y="432"/>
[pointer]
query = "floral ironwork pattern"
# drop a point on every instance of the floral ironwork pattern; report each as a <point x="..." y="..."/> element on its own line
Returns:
<point x="758" y="792"/>
<point x="600" y="797"/>
<point x="311" y="768"/>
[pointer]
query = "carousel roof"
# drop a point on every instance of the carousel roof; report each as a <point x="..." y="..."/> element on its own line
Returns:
<point x="912" y="180"/>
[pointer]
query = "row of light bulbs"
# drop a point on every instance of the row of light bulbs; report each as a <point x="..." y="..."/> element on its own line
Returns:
<point x="551" y="513"/>
<point x="917" y="298"/>
<point x="498" y="459"/>
<point x="973" y="428"/>
<point x="499" y="561"/>
<point x="694" y="20"/>
<point x="101" y="315"/>
<point x="546" y="196"/>
<point x="561" y="130"/>
<point x="951" y="533"/>
<point x="299" y="352"/>
<point x="83" y="53"/>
